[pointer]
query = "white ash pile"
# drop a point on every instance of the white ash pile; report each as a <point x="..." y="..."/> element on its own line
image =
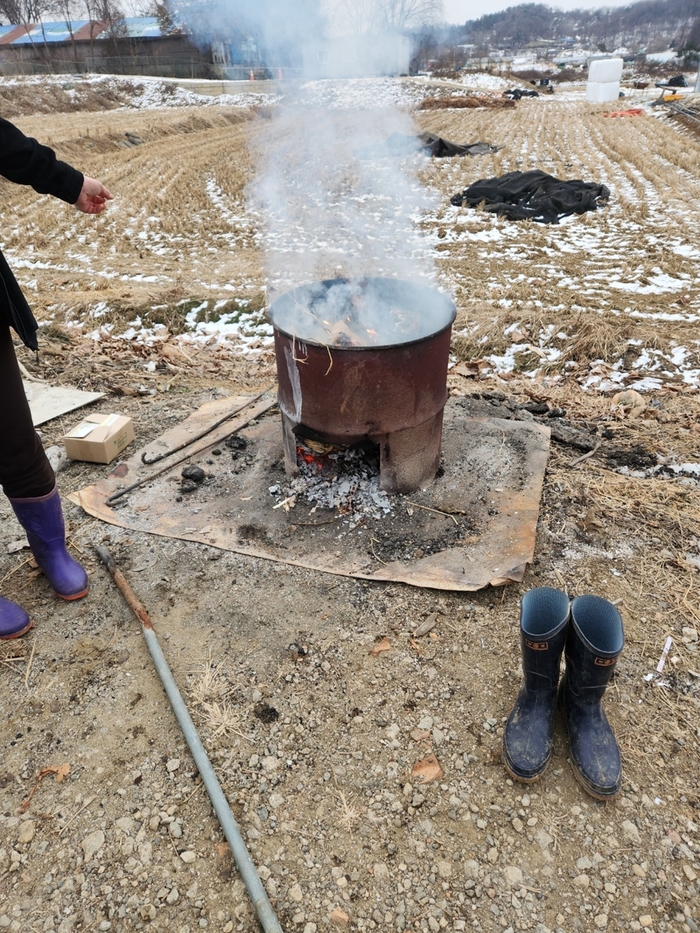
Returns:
<point x="345" y="479"/>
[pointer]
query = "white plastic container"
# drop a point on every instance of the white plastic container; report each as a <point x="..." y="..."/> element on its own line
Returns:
<point x="601" y="92"/>
<point x="605" y="70"/>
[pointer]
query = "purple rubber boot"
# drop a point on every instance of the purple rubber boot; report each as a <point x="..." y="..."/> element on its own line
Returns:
<point x="14" y="621"/>
<point x="42" y="519"/>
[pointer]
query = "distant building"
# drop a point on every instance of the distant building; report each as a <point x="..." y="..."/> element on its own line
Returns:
<point x="133" y="45"/>
<point x="669" y="55"/>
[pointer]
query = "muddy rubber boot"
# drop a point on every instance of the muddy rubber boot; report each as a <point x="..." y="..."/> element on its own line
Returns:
<point x="593" y="646"/>
<point x="14" y="621"/>
<point x="42" y="519"/>
<point x="527" y="739"/>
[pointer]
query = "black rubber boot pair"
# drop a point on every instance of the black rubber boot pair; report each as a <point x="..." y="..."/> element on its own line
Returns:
<point x="589" y="631"/>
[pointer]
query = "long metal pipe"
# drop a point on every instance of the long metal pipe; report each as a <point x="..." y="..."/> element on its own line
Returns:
<point x="244" y="863"/>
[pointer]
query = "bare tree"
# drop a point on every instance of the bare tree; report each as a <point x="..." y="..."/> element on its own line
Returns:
<point x="354" y="16"/>
<point x="107" y="21"/>
<point x="64" y="10"/>
<point x="110" y="14"/>
<point x="10" y="10"/>
<point x="23" y="12"/>
<point x="162" y="12"/>
<point x="28" y="13"/>
<point x="400" y="14"/>
<point x="366" y="16"/>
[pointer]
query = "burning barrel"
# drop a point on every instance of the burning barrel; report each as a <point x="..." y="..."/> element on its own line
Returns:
<point x="365" y="361"/>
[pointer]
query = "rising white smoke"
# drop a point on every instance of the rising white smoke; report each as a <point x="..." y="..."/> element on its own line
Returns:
<point x="333" y="198"/>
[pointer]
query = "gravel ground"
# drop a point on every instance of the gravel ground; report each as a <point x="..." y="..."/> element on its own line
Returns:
<point x="321" y="742"/>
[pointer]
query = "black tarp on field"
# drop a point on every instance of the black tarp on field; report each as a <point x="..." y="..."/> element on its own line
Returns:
<point x="533" y="195"/>
<point x="399" y="144"/>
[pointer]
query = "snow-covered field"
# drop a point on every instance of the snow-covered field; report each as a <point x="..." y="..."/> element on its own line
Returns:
<point x="217" y="208"/>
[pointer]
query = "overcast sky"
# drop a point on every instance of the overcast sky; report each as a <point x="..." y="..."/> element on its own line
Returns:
<point x="459" y="11"/>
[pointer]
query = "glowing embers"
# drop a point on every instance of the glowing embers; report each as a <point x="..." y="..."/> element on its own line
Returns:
<point x="342" y="479"/>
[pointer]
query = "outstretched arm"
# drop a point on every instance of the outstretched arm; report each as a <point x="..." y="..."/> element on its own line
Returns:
<point x="93" y="196"/>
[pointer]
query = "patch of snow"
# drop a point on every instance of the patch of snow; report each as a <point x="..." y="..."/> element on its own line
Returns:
<point x="485" y="81"/>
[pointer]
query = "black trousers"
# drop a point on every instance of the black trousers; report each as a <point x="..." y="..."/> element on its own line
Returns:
<point x="25" y="471"/>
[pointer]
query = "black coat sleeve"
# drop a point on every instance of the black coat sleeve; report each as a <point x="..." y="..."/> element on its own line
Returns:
<point x="27" y="162"/>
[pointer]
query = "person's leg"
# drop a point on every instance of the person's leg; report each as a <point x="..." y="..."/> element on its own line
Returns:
<point x="14" y="437"/>
<point x="24" y="468"/>
<point x="29" y="482"/>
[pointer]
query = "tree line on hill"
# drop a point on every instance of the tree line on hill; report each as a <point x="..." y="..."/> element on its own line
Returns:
<point x="648" y="25"/>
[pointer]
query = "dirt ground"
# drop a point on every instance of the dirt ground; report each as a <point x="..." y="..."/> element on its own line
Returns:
<point x="321" y="741"/>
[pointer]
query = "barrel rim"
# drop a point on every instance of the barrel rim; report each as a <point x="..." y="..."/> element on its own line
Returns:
<point x="364" y="349"/>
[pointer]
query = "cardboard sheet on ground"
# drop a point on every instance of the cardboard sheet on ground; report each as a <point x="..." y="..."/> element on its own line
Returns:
<point x="473" y="527"/>
<point x="47" y="401"/>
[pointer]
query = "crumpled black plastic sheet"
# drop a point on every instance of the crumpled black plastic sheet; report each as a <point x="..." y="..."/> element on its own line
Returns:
<point x="533" y="195"/>
<point x="398" y="144"/>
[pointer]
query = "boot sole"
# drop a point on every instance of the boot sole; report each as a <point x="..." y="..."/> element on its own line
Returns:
<point x="520" y="778"/>
<point x="587" y="787"/>
<point x="17" y="634"/>
<point x="525" y="780"/>
<point x="69" y="599"/>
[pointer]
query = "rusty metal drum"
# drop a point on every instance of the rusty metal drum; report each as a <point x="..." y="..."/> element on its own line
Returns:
<point x="366" y="360"/>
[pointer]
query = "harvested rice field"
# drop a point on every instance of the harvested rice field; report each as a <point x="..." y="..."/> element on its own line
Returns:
<point x="356" y="727"/>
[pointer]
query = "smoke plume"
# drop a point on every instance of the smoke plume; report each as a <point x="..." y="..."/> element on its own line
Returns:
<point x="334" y="199"/>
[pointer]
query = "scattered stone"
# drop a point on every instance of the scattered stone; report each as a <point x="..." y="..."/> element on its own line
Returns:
<point x="92" y="844"/>
<point x="630" y="832"/>
<point x="513" y="875"/>
<point x="646" y="920"/>
<point x="172" y="765"/>
<point x="339" y="917"/>
<point x="188" y="857"/>
<point x="296" y="894"/>
<point x="125" y="825"/>
<point x="381" y="872"/>
<point x="26" y="831"/>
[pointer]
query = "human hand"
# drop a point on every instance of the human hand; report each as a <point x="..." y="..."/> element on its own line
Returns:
<point x="93" y="197"/>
